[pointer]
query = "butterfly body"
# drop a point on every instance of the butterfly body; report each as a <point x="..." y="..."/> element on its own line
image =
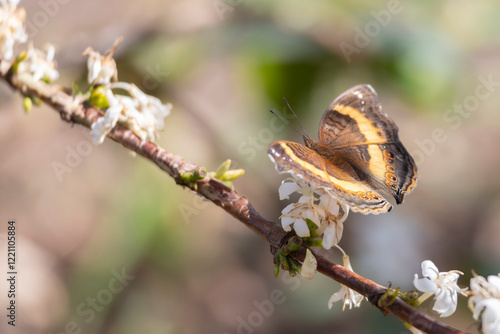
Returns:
<point x="358" y="155"/>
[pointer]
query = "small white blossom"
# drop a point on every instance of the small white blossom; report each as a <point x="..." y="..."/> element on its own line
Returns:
<point x="11" y="27"/>
<point x="101" y="68"/>
<point x="350" y="297"/>
<point x="296" y="214"/>
<point x="485" y="302"/>
<point x="316" y="204"/>
<point x="142" y="113"/>
<point x="40" y="64"/>
<point x="442" y="284"/>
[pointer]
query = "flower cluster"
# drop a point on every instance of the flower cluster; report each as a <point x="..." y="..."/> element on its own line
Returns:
<point x="318" y="213"/>
<point x="11" y="27"/>
<point x="140" y="112"/>
<point x="35" y="63"/>
<point x="39" y="64"/>
<point x="317" y="205"/>
<point x="484" y="300"/>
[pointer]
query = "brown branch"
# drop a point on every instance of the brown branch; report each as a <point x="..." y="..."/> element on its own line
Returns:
<point x="221" y="195"/>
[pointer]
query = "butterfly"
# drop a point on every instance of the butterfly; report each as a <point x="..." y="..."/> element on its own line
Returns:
<point x="358" y="155"/>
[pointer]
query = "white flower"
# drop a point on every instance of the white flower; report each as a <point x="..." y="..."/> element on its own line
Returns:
<point x="11" y="27"/>
<point x="485" y="302"/>
<point x="316" y="204"/>
<point x="101" y="68"/>
<point x="442" y="284"/>
<point x="349" y="296"/>
<point x="40" y="64"/>
<point x="296" y="214"/>
<point x="142" y="113"/>
<point x="309" y="266"/>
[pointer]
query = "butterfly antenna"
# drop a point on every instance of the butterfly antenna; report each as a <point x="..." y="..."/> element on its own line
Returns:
<point x="298" y="121"/>
<point x="285" y="121"/>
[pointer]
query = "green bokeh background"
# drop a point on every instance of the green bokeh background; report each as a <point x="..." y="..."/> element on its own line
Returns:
<point x="223" y="65"/>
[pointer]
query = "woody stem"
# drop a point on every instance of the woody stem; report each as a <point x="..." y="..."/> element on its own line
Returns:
<point x="229" y="200"/>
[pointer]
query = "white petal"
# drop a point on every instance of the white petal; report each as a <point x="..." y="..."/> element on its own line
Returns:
<point x="288" y="208"/>
<point x="480" y="307"/>
<point x="286" y="189"/>
<point x="345" y="209"/>
<point x="312" y="215"/>
<point x="319" y="210"/>
<point x="305" y="199"/>
<point x="307" y="188"/>
<point x="450" y="278"/>
<point x="353" y="299"/>
<point x="329" y="203"/>
<point x="446" y="302"/>
<point x="286" y="222"/>
<point x="51" y="50"/>
<point x="37" y="72"/>
<point x="309" y="266"/>
<point x="328" y="237"/>
<point x="424" y="284"/>
<point x="301" y="228"/>
<point x="489" y="310"/>
<point x="337" y="296"/>
<point x="429" y="269"/>
<point x="94" y="67"/>
<point x="332" y="235"/>
<point x="105" y="124"/>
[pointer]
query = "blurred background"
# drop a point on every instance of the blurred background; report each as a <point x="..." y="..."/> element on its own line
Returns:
<point x="114" y="246"/>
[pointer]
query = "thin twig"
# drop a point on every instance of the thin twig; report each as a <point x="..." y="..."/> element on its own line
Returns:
<point x="221" y="195"/>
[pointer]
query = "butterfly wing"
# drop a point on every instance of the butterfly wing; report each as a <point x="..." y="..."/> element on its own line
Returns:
<point x="355" y="127"/>
<point x="328" y="171"/>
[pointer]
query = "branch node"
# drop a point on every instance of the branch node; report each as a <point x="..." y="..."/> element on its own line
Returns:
<point x="388" y="298"/>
